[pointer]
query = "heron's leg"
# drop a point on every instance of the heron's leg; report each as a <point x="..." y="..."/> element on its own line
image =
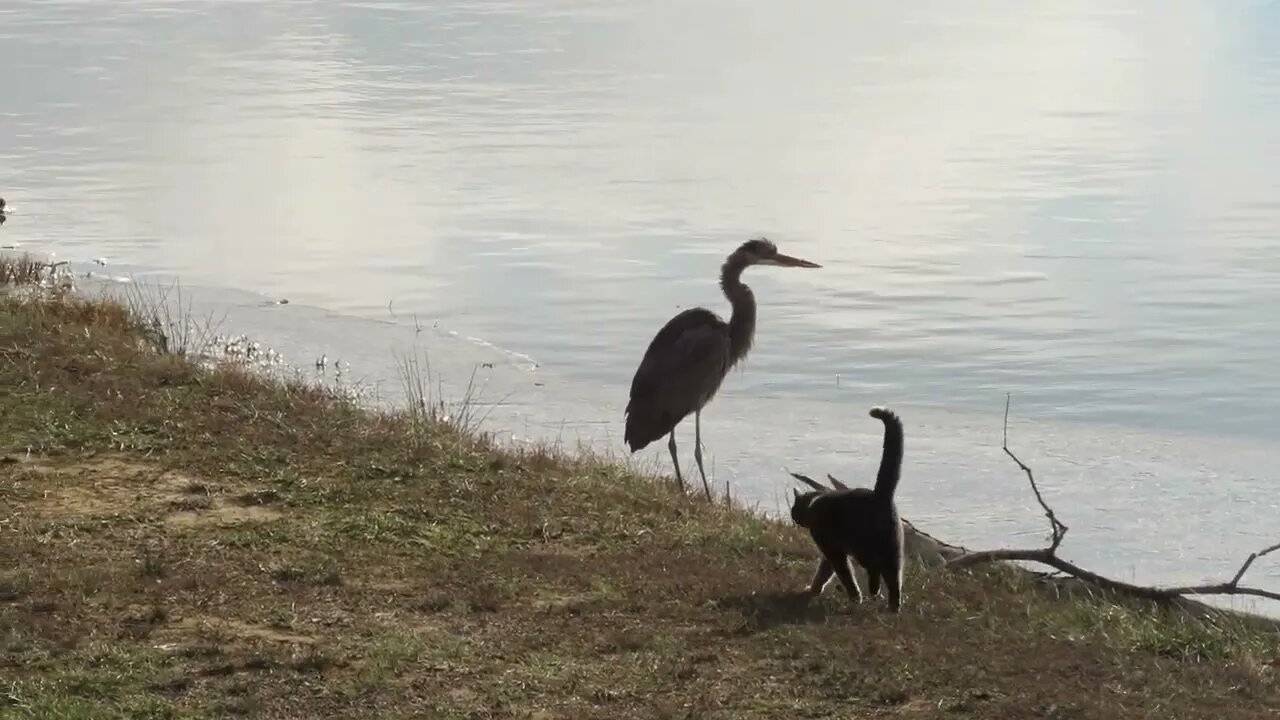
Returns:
<point x="675" y="459"/>
<point x="697" y="450"/>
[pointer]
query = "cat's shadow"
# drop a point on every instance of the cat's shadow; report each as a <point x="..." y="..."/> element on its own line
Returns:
<point x="765" y="610"/>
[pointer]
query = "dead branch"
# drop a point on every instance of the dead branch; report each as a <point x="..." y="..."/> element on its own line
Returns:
<point x="1049" y="555"/>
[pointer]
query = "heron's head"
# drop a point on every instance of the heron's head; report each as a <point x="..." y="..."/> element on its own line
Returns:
<point x="800" y="506"/>
<point x="760" y="251"/>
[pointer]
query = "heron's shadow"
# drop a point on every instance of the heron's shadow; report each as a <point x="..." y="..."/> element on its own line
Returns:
<point x="765" y="610"/>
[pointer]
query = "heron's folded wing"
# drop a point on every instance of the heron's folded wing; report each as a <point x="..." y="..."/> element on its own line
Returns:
<point x="682" y="369"/>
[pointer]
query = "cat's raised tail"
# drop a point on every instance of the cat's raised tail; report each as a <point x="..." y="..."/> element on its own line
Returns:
<point x="891" y="459"/>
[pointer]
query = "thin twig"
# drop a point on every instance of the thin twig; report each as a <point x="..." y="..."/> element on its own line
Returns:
<point x="1232" y="586"/>
<point x="1249" y="561"/>
<point x="1058" y="529"/>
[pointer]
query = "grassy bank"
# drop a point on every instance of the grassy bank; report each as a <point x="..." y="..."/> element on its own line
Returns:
<point x="185" y="542"/>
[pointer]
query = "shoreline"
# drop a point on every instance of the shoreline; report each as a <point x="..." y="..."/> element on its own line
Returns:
<point x="930" y="544"/>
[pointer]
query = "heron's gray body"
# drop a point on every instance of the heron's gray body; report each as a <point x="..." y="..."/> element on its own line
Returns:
<point x="689" y="357"/>
<point x="680" y="373"/>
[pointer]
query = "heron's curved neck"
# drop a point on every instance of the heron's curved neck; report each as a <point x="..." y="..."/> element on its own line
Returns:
<point x="742" y="324"/>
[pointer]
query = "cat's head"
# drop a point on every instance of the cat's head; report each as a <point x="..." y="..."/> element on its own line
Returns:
<point x="800" y="506"/>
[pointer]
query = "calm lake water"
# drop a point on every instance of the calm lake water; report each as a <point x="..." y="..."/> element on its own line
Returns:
<point x="1077" y="203"/>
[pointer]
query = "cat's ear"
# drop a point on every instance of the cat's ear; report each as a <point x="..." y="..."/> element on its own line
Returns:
<point x="796" y="492"/>
<point x="808" y="481"/>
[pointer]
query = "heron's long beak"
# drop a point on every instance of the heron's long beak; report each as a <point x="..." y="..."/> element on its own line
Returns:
<point x="788" y="261"/>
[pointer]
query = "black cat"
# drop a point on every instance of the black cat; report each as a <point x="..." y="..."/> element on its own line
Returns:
<point x="859" y="522"/>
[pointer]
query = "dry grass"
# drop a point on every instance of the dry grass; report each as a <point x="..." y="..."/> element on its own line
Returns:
<point x="165" y="319"/>
<point x="22" y="270"/>
<point x="186" y="542"/>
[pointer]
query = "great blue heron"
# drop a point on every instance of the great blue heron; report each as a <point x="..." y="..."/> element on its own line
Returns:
<point x="689" y="357"/>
